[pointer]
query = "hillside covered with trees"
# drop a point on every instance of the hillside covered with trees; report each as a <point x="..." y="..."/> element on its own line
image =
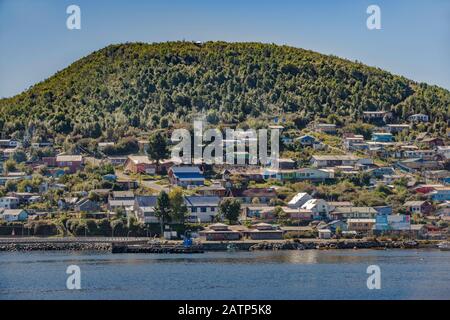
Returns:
<point x="135" y="87"/>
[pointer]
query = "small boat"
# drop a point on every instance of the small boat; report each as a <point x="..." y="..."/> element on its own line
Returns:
<point x="444" y="246"/>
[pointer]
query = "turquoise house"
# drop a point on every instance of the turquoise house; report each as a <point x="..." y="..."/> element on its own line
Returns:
<point x="382" y="137"/>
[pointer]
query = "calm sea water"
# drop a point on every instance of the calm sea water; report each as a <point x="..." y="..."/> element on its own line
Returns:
<point x="405" y="274"/>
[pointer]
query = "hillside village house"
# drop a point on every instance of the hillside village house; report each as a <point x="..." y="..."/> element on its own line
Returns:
<point x="392" y="224"/>
<point x="319" y="208"/>
<point x="382" y="137"/>
<point x="220" y="232"/>
<point x="343" y="213"/>
<point x="299" y="200"/>
<point x="72" y="162"/>
<point x="440" y="194"/>
<point x="186" y="176"/>
<point x="419" y="154"/>
<point x="261" y="212"/>
<point x="256" y="195"/>
<point x="418" y="207"/>
<point x="433" y="142"/>
<point x="86" y="205"/>
<point x="202" y="209"/>
<point x="212" y="190"/>
<point x="307" y="174"/>
<point x="120" y="204"/>
<point x="360" y="225"/>
<point x="11" y="215"/>
<point x="121" y="200"/>
<point x="8" y="143"/>
<point x="427" y="188"/>
<point x="441" y="176"/>
<point x="353" y="140"/>
<point x="144" y="209"/>
<point x="139" y="164"/>
<point x="376" y="115"/>
<point x="444" y="152"/>
<point x="395" y="128"/>
<point x="117" y="160"/>
<point x="443" y="209"/>
<point x="325" y="128"/>
<point x="324" y="161"/>
<point x="286" y="164"/>
<point x="264" y="231"/>
<point x="9" y="202"/>
<point x="418" y="164"/>
<point x="306" y="140"/>
<point x="103" y="145"/>
<point x="122" y="195"/>
<point x="312" y="209"/>
<point x="418" y="118"/>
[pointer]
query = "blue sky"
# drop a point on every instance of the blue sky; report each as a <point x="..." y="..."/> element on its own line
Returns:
<point x="414" y="40"/>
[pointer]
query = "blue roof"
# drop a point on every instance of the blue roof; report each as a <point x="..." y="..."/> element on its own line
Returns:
<point x="188" y="175"/>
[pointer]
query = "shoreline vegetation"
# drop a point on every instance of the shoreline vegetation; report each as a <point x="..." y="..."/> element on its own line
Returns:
<point x="262" y="245"/>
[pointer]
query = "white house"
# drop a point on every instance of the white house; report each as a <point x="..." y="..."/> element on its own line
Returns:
<point x="9" y="202"/>
<point x="202" y="209"/>
<point x="299" y="200"/>
<point x="319" y="208"/>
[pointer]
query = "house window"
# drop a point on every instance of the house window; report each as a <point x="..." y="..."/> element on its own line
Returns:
<point x="203" y="209"/>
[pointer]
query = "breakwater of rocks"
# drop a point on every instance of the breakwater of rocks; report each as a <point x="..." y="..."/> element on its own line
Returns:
<point x="47" y="246"/>
<point x="329" y="245"/>
<point x="144" y="247"/>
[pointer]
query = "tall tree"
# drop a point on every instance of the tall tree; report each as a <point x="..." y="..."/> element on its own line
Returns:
<point x="158" y="147"/>
<point x="162" y="209"/>
<point x="230" y="209"/>
<point x="177" y="204"/>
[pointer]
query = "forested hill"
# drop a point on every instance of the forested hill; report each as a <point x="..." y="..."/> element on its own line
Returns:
<point x="148" y="86"/>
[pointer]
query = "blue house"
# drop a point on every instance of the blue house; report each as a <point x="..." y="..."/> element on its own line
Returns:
<point x="383" y="210"/>
<point x="382" y="137"/>
<point x="306" y="140"/>
<point x="186" y="176"/>
<point x="11" y="215"/>
<point x="382" y="171"/>
<point x="110" y="177"/>
<point x="441" y="194"/>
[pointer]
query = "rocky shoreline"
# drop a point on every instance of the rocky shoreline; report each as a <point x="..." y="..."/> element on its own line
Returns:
<point x="76" y="246"/>
<point x="294" y="245"/>
<point x="225" y="246"/>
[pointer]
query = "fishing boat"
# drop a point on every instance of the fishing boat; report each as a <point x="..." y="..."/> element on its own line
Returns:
<point x="231" y="247"/>
<point x="444" y="246"/>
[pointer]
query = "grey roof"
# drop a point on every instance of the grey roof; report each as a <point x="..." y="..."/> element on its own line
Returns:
<point x="121" y="203"/>
<point x="196" y="201"/>
<point x="355" y="209"/>
<point x="413" y="203"/>
<point x="146" y="201"/>
<point x="123" y="194"/>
